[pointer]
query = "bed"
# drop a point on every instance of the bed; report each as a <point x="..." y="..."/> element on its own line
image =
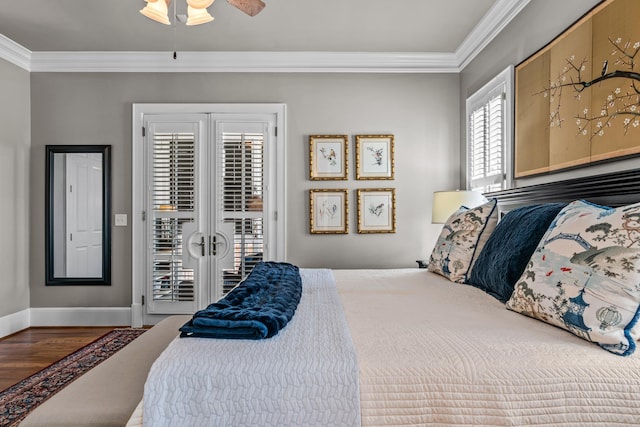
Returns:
<point x="443" y="345"/>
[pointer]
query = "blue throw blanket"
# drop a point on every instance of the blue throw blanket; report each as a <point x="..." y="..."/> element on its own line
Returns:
<point x="257" y="308"/>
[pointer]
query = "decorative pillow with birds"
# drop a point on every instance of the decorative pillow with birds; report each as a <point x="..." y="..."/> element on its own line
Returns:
<point x="584" y="276"/>
<point x="461" y="240"/>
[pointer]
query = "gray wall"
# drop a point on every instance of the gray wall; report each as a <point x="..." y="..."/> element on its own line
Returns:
<point x="14" y="188"/>
<point x="539" y="23"/>
<point x="422" y="111"/>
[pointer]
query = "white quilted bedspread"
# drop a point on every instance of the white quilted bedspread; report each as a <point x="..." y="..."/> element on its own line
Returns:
<point x="436" y="353"/>
<point x="430" y="353"/>
<point x="307" y="375"/>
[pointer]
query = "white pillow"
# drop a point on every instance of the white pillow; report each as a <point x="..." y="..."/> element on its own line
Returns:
<point x="584" y="276"/>
<point x="461" y="240"/>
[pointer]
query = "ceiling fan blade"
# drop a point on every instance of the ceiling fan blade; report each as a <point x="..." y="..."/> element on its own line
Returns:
<point x="250" y="7"/>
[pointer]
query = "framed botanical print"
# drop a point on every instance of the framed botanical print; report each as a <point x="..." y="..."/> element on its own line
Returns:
<point x="328" y="157"/>
<point x="374" y="157"/>
<point x="377" y="210"/>
<point x="328" y="211"/>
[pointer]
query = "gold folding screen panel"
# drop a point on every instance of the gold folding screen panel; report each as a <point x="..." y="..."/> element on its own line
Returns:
<point x="578" y="98"/>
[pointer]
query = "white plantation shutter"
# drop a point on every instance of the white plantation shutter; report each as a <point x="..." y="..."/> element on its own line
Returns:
<point x="242" y="193"/>
<point x="488" y="135"/>
<point x="173" y="204"/>
<point x="485" y="146"/>
<point x="173" y="171"/>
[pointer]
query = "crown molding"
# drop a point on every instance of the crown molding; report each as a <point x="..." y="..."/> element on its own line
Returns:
<point x="258" y="62"/>
<point x="492" y="23"/>
<point x="498" y="16"/>
<point x="14" y="53"/>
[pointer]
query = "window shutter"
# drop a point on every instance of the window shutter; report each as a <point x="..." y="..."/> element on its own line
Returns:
<point x="486" y="141"/>
<point x="242" y="195"/>
<point x="490" y="134"/>
<point x="173" y="203"/>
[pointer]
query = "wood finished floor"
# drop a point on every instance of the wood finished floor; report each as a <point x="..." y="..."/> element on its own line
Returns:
<point x="26" y="352"/>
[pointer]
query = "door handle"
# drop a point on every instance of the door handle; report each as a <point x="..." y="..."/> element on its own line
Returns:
<point x="218" y="239"/>
<point x="201" y="244"/>
<point x="193" y="245"/>
<point x="213" y="245"/>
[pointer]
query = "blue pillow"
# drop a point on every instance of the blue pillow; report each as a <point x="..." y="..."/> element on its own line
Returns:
<point x="509" y="248"/>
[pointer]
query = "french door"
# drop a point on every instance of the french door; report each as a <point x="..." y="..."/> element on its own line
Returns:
<point x="209" y="213"/>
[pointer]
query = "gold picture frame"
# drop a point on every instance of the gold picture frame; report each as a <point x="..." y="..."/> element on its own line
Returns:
<point x="328" y="211"/>
<point x="375" y="157"/>
<point x="376" y="210"/>
<point x="328" y="157"/>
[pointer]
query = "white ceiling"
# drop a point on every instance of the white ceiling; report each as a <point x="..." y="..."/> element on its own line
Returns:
<point x="37" y="30"/>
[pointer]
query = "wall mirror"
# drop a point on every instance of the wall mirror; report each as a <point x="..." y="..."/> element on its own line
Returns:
<point x="78" y="211"/>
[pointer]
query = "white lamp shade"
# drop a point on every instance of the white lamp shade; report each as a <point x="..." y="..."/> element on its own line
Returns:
<point x="158" y="10"/>
<point x="447" y="202"/>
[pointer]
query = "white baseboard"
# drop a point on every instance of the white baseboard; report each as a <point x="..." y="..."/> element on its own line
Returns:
<point x="65" y="316"/>
<point x="15" y="322"/>
<point x="136" y="315"/>
<point x="81" y="316"/>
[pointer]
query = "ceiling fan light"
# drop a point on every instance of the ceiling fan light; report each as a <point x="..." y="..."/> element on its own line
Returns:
<point x="198" y="16"/>
<point x="197" y="11"/>
<point x="250" y="7"/>
<point x="200" y="4"/>
<point x="158" y="10"/>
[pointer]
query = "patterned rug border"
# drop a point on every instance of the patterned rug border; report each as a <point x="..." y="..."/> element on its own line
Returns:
<point x="23" y="397"/>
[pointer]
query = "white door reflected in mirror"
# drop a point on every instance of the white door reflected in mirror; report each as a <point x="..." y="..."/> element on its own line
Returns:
<point x="78" y="202"/>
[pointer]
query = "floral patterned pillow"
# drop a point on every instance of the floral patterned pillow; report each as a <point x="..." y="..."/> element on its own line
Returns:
<point x="461" y="240"/>
<point x="584" y="276"/>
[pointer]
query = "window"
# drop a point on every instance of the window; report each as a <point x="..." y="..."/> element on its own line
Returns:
<point x="489" y="118"/>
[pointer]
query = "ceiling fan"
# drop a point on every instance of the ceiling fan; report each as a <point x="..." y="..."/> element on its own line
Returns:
<point x="197" y="10"/>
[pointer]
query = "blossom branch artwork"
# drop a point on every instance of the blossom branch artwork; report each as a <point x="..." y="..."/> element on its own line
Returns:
<point x="622" y="101"/>
<point x="375" y="157"/>
<point x="578" y="98"/>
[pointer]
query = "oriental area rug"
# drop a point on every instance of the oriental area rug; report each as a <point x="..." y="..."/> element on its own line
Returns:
<point x="17" y="401"/>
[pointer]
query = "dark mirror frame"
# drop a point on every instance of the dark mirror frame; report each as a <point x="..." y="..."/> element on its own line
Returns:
<point x="105" y="150"/>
